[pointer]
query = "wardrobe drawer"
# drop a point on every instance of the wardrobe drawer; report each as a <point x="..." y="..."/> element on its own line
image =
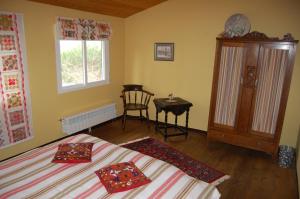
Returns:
<point x="220" y="136"/>
<point x="241" y="140"/>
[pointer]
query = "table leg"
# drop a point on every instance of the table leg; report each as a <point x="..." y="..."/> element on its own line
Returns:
<point x="187" y="123"/>
<point x="175" y="122"/>
<point x="166" y="126"/>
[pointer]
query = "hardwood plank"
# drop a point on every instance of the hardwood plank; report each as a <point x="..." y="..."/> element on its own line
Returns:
<point x="118" y="8"/>
<point x="253" y="174"/>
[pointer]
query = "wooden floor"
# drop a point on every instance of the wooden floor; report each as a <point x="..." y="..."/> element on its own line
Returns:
<point x="254" y="175"/>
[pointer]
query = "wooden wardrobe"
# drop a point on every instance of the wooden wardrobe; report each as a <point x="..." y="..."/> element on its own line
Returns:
<point x="251" y="82"/>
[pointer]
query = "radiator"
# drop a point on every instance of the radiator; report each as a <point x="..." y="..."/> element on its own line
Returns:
<point x="86" y="120"/>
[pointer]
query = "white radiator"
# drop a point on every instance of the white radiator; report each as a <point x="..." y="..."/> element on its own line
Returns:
<point x="86" y="120"/>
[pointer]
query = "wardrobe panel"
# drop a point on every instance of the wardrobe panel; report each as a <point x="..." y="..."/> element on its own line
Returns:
<point x="271" y="74"/>
<point x="231" y="65"/>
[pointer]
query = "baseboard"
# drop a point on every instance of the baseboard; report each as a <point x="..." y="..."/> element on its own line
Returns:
<point x="83" y="131"/>
<point x="104" y="123"/>
<point x="199" y="131"/>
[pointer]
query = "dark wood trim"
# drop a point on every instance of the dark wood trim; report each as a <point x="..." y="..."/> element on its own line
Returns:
<point x="214" y="87"/>
<point x="285" y="94"/>
<point x="256" y="36"/>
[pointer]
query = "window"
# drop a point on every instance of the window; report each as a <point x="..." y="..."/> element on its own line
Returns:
<point x="82" y="53"/>
<point x="82" y="64"/>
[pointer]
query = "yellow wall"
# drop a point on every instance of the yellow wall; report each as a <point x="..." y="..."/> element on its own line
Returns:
<point x="47" y="105"/>
<point x="193" y="26"/>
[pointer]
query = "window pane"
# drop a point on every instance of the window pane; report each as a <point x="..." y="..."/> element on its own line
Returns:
<point x="71" y="62"/>
<point x="94" y="52"/>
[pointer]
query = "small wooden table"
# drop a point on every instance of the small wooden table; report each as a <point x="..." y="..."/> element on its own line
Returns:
<point x="177" y="106"/>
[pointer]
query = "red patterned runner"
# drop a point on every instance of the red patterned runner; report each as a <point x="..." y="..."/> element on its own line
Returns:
<point x="190" y="166"/>
<point x="15" y="114"/>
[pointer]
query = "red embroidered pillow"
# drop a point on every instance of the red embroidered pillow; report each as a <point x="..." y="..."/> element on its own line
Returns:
<point x="74" y="153"/>
<point x="121" y="177"/>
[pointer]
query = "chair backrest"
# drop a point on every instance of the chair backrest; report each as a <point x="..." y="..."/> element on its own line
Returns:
<point x="134" y="93"/>
<point x="132" y="87"/>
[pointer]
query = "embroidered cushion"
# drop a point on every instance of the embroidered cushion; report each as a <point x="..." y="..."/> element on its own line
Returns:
<point x="73" y="153"/>
<point x="121" y="177"/>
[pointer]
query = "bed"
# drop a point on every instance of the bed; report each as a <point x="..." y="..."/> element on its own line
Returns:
<point x="33" y="175"/>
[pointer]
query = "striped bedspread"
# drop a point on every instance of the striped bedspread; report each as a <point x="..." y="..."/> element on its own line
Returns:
<point x="32" y="175"/>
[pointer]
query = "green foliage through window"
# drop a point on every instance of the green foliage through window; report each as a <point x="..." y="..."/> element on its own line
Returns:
<point x="73" y="61"/>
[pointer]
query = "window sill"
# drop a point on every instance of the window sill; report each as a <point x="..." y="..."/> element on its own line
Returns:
<point x="82" y="87"/>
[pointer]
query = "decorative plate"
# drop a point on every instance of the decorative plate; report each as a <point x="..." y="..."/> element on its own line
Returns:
<point x="237" y="25"/>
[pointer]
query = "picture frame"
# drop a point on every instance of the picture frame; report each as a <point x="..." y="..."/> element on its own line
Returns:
<point x="164" y="51"/>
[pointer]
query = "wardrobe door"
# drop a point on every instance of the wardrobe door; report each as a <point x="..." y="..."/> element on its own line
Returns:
<point x="228" y="85"/>
<point x="273" y="66"/>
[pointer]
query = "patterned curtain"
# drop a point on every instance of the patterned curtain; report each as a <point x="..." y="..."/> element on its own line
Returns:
<point x="83" y="29"/>
<point x="15" y="109"/>
<point x="231" y="64"/>
<point x="271" y="64"/>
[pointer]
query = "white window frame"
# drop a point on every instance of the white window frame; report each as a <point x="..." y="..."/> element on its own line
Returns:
<point x="85" y="85"/>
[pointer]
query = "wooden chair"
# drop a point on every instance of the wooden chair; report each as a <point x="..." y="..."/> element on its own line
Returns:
<point x="135" y="98"/>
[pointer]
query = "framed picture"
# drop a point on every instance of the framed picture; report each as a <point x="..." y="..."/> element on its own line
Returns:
<point x="164" y="51"/>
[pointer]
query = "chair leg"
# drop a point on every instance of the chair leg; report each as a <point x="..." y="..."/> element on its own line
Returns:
<point x="147" y="115"/>
<point x="141" y="116"/>
<point x="124" y="119"/>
